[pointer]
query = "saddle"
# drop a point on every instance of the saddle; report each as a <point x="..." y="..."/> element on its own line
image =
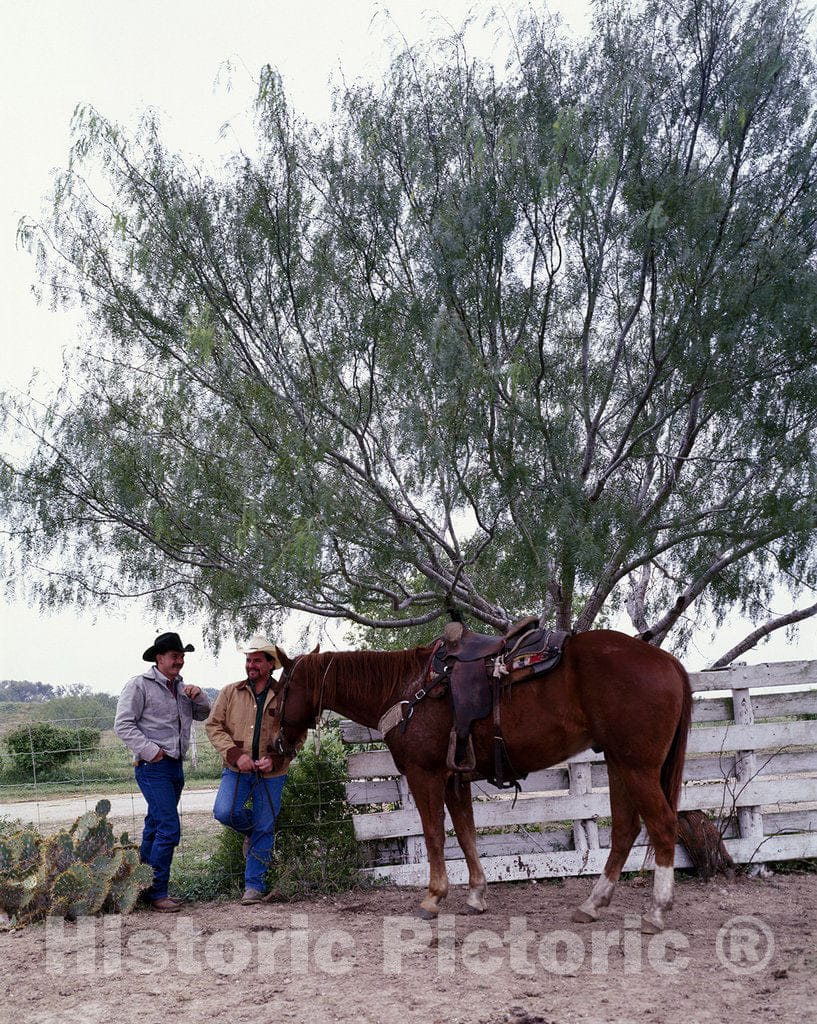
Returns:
<point x="478" y="668"/>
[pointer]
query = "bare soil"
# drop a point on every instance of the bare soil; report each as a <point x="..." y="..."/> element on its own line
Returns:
<point x="732" y="952"/>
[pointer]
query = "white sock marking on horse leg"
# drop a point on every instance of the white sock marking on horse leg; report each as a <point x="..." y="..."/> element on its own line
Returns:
<point x="662" y="891"/>
<point x="662" y="887"/>
<point x="600" y="896"/>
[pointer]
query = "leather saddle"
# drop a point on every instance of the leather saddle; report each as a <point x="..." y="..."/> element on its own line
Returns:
<point x="478" y="668"/>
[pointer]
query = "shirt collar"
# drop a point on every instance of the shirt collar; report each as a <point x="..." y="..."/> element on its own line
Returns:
<point x="247" y="685"/>
<point x="154" y="673"/>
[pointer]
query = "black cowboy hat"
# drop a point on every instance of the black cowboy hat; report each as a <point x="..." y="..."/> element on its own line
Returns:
<point x="166" y="642"/>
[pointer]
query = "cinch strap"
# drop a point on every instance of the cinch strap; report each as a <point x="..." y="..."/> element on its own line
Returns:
<point x="393" y="717"/>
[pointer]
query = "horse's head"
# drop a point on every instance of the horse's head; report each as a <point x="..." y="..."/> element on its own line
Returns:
<point x="298" y="709"/>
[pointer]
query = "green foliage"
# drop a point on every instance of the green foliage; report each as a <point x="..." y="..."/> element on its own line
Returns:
<point x="315" y="846"/>
<point x="74" y="873"/>
<point x="208" y="873"/>
<point x="503" y="342"/>
<point x="36" y="749"/>
<point x="806" y="866"/>
<point x="106" y="769"/>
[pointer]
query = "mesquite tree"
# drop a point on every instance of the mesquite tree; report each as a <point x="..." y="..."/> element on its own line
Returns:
<point x="495" y="340"/>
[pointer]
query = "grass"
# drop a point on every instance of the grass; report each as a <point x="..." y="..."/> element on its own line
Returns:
<point x="804" y="866"/>
<point x="94" y="710"/>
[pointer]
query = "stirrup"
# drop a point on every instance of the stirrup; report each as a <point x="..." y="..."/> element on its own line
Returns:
<point x="470" y="762"/>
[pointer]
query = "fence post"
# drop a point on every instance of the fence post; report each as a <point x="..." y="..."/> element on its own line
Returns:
<point x="585" y="831"/>
<point x="194" y="760"/>
<point x="415" y="845"/>
<point x="33" y="759"/>
<point x="750" y="820"/>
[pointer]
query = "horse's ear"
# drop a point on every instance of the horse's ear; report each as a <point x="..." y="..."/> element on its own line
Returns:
<point x="286" y="662"/>
<point x="316" y="649"/>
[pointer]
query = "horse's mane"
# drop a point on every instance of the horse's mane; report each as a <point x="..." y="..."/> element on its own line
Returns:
<point x="355" y="674"/>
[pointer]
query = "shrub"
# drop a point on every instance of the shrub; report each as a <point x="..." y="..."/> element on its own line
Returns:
<point x="315" y="846"/>
<point x="36" y="749"/>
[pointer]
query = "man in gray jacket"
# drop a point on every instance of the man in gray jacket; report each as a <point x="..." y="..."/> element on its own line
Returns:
<point x="153" y="718"/>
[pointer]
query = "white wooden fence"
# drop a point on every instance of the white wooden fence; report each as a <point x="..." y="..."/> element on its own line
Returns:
<point x="751" y="762"/>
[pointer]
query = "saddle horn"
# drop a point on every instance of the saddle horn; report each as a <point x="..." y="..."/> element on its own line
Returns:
<point x="453" y="632"/>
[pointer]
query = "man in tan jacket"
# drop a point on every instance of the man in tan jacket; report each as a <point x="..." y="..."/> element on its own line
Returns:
<point x="243" y="726"/>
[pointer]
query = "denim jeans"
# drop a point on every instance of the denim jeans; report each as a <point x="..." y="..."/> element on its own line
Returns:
<point x="161" y="783"/>
<point x="257" y="822"/>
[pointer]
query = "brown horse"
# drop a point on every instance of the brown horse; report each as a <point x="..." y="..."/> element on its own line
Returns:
<point x="609" y="690"/>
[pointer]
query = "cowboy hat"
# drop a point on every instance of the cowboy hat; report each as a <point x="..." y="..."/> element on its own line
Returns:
<point x="165" y="642"/>
<point x="260" y="643"/>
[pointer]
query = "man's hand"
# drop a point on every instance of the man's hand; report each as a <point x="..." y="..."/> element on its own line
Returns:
<point x="264" y="764"/>
<point x="192" y="691"/>
<point x="158" y="757"/>
<point x="245" y="763"/>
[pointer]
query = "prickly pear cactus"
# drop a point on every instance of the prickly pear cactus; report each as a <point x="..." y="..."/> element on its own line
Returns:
<point x="6" y="855"/>
<point x="83" y="889"/>
<point x="15" y="895"/>
<point x="128" y="882"/>
<point x="83" y="825"/>
<point x="74" y="873"/>
<point x="19" y="853"/>
<point x="97" y="840"/>
<point x="19" y="860"/>
<point x="58" y="853"/>
<point x="27" y="852"/>
<point x="70" y="892"/>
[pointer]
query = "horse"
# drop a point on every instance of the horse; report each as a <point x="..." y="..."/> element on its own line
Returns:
<point x="609" y="691"/>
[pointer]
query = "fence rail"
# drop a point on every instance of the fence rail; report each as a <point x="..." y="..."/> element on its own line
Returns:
<point x="751" y="763"/>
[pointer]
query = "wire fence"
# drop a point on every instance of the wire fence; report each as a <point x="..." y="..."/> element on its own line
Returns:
<point x="46" y="761"/>
<point x="52" y="772"/>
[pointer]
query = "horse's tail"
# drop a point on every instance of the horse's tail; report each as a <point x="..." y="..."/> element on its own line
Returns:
<point x="672" y="770"/>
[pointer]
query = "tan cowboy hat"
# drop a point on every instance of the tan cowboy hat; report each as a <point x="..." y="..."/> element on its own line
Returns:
<point x="257" y="643"/>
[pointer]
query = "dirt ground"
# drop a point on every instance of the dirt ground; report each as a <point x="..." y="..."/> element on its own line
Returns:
<point x="732" y="951"/>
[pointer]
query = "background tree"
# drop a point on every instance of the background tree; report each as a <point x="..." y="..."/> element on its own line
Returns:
<point x="494" y="340"/>
<point x="24" y="691"/>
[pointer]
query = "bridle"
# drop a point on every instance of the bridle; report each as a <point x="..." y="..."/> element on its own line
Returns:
<point x="280" y="745"/>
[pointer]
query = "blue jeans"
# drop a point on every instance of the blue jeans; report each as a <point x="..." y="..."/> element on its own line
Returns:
<point x="161" y="784"/>
<point x="257" y="822"/>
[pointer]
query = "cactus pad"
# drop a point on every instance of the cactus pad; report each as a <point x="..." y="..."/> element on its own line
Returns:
<point x="81" y="871"/>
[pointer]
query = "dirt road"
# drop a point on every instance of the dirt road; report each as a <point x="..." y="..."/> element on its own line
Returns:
<point x="128" y="806"/>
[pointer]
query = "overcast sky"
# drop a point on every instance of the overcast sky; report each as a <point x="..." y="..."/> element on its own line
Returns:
<point x="172" y="55"/>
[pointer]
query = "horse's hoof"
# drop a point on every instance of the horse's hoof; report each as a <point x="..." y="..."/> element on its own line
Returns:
<point x="426" y="915"/>
<point x="473" y="910"/>
<point x="580" y="916"/>
<point x="650" y="927"/>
